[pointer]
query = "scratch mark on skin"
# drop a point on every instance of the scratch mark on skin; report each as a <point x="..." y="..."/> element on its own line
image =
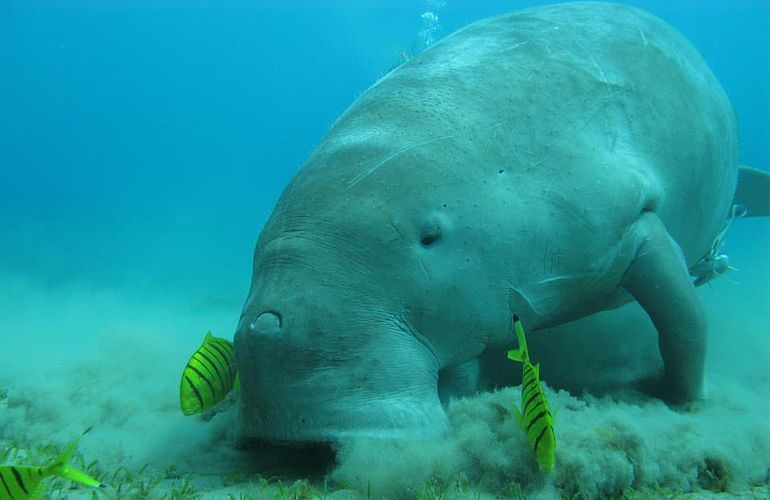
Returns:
<point x="546" y="258"/>
<point x="566" y="208"/>
<point x="513" y="291"/>
<point x="425" y="270"/>
<point x="555" y="279"/>
<point x="392" y="223"/>
<point x="612" y="89"/>
<point x="514" y="47"/>
<point x="644" y="38"/>
<point x="358" y="178"/>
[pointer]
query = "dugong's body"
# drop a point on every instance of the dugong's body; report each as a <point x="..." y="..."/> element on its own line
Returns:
<point x="550" y="163"/>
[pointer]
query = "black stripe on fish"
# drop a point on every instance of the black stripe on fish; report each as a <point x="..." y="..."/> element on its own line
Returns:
<point x="220" y="363"/>
<point x="532" y="422"/>
<point x="228" y="362"/>
<point x="201" y="363"/>
<point x="526" y="396"/>
<point x="208" y="382"/>
<point x="218" y="376"/>
<point x="222" y="367"/>
<point x="19" y="480"/>
<point x="536" y="406"/>
<point x="529" y="382"/>
<point x="7" y="488"/>
<point x="539" y="437"/>
<point x="214" y="353"/>
<point x="529" y="400"/>
<point x="226" y="347"/>
<point x="195" y="391"/>
<point x="225" y="351"/>
<point x="528" y="389"/>
<point x="211" y="364"/>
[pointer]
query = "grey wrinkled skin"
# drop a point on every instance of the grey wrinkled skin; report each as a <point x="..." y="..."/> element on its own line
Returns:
<point x="552" y="163"/>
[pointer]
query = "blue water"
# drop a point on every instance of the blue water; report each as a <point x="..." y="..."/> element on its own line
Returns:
<point x="144" y="143"/>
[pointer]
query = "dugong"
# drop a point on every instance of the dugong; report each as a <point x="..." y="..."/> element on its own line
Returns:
<point x="550" y="163"/>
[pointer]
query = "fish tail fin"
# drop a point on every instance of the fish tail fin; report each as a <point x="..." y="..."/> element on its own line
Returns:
<point x="521" y="353"/>
<point x="515" y="354"/>
<point x="752" y="191"/>
<point x="62" y="468"/>
<point x="79" y="476"/>
<point x="64" y="457"/>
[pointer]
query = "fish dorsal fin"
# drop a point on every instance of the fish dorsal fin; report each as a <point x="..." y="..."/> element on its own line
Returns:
<point x="208" y="338"/>
<point x="61" y="466"/>
<point x="515" y="355"/>
<point x="753" y="191"/>
<point x="537" y="371"/>
<point x="521" y="355"/>
<point x="64" y="456"/>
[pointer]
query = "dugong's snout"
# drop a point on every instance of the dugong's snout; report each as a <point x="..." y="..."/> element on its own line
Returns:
<point x="332" y="377"/>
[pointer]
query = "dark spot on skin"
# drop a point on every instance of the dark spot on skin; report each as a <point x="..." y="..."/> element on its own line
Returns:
<point x="444" y="205"/>
<point x="429" y="240"/>
<point x="500" y="171"/>
<point x="430" y="234"/>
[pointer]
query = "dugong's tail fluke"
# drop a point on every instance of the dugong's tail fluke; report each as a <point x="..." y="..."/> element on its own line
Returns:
<point x="753" y="191"/>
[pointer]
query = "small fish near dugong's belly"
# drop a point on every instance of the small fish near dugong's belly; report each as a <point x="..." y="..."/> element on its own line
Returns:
<point x="549" y="163"/>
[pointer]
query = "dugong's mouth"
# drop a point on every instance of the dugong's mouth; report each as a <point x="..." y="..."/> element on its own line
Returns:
<point x="293" y="393"/>
<point x="303" y="420"/>
<point x="295" y="458"/>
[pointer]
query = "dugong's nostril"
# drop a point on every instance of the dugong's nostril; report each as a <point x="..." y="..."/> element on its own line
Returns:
<point x="267" y="323"/>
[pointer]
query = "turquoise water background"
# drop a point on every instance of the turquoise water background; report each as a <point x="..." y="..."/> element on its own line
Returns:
<point x="143" y="143"/>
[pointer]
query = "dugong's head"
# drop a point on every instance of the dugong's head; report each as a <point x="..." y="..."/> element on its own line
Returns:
<point x="364" y="299"/>
<point x="373" y="280"/>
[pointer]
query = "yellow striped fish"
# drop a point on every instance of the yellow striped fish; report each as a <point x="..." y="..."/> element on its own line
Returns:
<point x="19" y="482"/>
<point x="535" y="417"/>
<point x="209" y="375"/>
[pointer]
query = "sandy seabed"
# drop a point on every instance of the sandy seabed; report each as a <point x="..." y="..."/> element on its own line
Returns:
<point x="77" y="356"/>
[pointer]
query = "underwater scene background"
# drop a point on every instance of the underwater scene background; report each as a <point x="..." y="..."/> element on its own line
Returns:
<point x="143" y="145"/>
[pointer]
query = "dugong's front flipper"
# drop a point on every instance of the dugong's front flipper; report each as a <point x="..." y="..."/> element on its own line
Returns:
<point x="658" y="279"/>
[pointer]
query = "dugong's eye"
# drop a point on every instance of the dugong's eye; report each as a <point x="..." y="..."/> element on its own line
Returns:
<point x="430" y="234"/>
